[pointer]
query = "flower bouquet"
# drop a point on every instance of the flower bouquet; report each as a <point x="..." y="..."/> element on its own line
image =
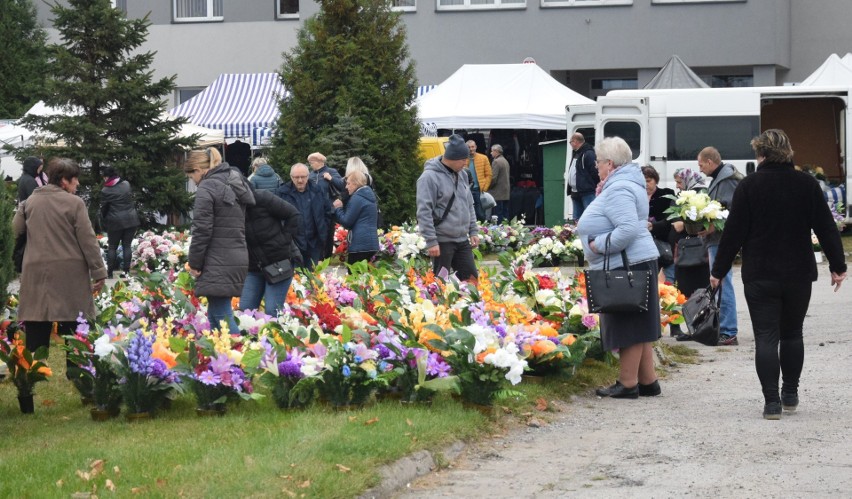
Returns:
<point x="551" y="246"/>
<point x="289" y="370"/>
<point x="350" y="372"/>
<point x="144" y="380"/>
<point x="415" y="374"/>
<point x="671" y="301"/>
<point x="92" y="354"/>
<point x="214" y="372"/>
<point x="160" y="252"/>
<point x="25" y="368"/>
<point x="483" y="364"/>
<point x="697" y="211"/>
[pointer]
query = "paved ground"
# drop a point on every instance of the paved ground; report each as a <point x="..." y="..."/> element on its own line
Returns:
<point x="704" y="437"/>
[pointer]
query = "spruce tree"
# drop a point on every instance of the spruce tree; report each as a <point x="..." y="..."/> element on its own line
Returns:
<point x="352" y="61"/>
<point x="112" y="109"/>
<point x="24" y="61"/>
<point x="7" y="211"/>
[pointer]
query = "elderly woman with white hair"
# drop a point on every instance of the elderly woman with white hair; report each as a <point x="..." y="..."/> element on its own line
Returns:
<point x="620" y="213"/>
<point x="359" y="216"/>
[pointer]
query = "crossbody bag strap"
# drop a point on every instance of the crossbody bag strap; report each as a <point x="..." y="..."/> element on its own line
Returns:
<point x="449" y="205"/>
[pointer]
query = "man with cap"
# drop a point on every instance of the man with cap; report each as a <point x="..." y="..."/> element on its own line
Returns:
<point x="32" y="178"/>
<point x="445" y="213"/>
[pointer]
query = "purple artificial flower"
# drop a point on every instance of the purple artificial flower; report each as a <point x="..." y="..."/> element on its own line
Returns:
<point x="436" y="366"/>
<point x="158" y="368"/>
<point x="139" y="353"/>
<point x="208" y="378"/>
<point x="220" y="364"/>
<point x="478" y="315"/>
<point x="589" y="321"/>
<point x="82" y="326"/>
<point x="346" y="296"/>
<point x="290" y="369"/>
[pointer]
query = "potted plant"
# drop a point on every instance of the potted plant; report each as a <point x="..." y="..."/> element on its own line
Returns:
<point x="25" y="368"/>
<point x="349" y="374"/>
<point x="144" y="381"/>
<point x="93" y="357"/>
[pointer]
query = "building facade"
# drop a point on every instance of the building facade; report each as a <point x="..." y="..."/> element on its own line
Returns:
<point x="590" y="45"/>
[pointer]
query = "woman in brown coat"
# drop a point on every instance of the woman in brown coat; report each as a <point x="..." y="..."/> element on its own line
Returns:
<point x="63" y="265"/>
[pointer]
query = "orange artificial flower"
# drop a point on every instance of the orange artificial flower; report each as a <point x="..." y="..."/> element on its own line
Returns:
<point x="480" y="357"/>
<point x="45" y="370"/>
<point x="159" y="351"/>
<point x="569" y="340"/>
<point x="542" y="347"/>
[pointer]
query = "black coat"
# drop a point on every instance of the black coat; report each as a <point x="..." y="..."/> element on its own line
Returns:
<point x="771" y="217"/>
<point x="587" y="172"/>
<point x="118" y="210"/>
<point x="657" y="206"/>
<point x="271" y="225"/>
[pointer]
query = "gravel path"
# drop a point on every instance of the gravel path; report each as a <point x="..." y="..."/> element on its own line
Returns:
<point x="704" y="437"/>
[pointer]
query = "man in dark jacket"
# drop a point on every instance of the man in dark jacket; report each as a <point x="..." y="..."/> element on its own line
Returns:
<point x="583" y="175"/>
<point x="328" y="181"/>
<point x="314" y="207"/>
<point x="119" y="218"/>
<point x="724" y="179"/>
<point x="32" y="177"/>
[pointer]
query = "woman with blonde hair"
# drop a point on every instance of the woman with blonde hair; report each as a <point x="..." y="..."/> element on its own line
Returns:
<point x="772" y="214"/>
<point x="360" y="217"/>
<point x="218" y="257"/>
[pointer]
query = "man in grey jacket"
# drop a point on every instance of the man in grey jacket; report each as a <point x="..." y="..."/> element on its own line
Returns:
<point x="724" y="179"/>
<point x="445" y="213"/>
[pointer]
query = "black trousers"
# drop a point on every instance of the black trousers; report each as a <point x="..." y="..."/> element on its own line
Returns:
<point x="114" y="237"/>
<point x="458" y="257"/>
<point x="777" y="312"/>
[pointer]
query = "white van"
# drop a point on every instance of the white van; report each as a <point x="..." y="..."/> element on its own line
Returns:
<point x="666" y="128"/>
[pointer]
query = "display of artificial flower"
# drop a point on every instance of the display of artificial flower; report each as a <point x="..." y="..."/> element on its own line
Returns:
<point x="692" y="206"/>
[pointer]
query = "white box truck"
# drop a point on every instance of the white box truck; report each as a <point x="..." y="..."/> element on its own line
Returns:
<point x="666" y="128"/>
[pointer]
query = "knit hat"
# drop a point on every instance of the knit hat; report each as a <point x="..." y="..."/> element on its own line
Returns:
<point x="455" y="148"/>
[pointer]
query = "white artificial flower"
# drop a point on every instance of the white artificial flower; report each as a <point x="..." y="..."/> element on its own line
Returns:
<point x="104" y="347"/>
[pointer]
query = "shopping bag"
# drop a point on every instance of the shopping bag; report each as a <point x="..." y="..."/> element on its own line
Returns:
<point x="701" y="314"/>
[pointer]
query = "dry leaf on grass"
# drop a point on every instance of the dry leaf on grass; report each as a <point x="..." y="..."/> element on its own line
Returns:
<point x="305" y="484"/>
<point x="96" y="467"/>
<point x="352" y="419"/>
<point x="84" y="475"/>
<point x="60" y="483"/>
<point x="109" y="485"/>
<point x="116" y="470"/>
<point x="137" y="490"/>
<point x="541" y="404"/>
<point x="289" y="493"/>
<point x="371" y="421"/>
<point x="408" y="422"/>
<point x="343" y="468"/>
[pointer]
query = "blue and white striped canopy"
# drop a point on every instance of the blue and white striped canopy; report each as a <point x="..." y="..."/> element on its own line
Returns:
<point x="237" y="104"/>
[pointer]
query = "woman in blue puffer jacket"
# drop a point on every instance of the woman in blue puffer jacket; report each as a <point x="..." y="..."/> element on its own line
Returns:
<point x="359" y="216"/>
<point x="620" y="212"/>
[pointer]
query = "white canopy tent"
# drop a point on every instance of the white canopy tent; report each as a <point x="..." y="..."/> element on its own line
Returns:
<point x="498" y="96"/>
<point x="15" y="136"/>
<point x="833" y="72"/>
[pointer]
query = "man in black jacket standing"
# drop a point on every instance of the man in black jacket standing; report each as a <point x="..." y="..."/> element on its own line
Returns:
<point x="582" y="175"/>
<point x="32" y="177"/>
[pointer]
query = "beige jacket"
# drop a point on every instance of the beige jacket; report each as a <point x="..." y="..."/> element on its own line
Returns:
<point x="62" y="257"/>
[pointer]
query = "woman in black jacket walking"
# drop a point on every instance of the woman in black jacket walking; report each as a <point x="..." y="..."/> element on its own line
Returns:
<point x="771" y="217"/>
<point x="271" y="226"/>
<point x="120" y="219"/>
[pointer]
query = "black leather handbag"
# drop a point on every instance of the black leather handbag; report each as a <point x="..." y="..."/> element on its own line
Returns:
<point x="666" y="255"/>
<point x="701" y="314"/>
<point x="621" y="290"/>
<point x="691" y="253"/>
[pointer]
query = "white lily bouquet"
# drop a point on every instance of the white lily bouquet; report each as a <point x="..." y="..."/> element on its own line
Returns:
<point x="697" y="211"/>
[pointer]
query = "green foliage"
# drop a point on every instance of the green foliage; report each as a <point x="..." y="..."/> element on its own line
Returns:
<point x="111" y="108"/>
<point x="7" y="271"/>
<point x="352" y="86"/>
<point x="24" y="61"/>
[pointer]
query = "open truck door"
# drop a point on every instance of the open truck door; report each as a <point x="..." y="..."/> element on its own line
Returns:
<point x="580" y="118"/>
<point x="627" y="117"/>
<point x="818" y="125"/>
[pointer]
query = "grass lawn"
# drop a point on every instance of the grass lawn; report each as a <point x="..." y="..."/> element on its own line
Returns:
<point x="255" y="450"/>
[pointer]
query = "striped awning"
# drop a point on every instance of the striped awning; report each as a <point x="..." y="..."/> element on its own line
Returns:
<point x="237" y="104"/>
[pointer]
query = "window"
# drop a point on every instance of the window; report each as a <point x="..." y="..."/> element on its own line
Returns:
<point x="404" y="5"/>
<point x="120" y="5"/>
<point x="630" y="131"/>
<point x="584" y="3"/>
<point x="696" y="1"/>
<point x="287" y="9"/>
<point x="189" y="11"/>
<point x="600" y="86"/>
<point x="481" y="4"/>
<point x="184" y="94"/>
<point x="729" y="134"/>
<point x="724" y="81"/>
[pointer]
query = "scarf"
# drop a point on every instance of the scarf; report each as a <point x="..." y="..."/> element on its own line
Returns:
<point x="602" y="183"/>
<point x="691" y="180"/>
<point x="112" y="181"/>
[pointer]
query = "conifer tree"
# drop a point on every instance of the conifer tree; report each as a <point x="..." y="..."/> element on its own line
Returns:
<point x="352" y="61"/>
<point x="112" y="110"/>
<point x="24" y="60"/>
<point x="7" y="270"/>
